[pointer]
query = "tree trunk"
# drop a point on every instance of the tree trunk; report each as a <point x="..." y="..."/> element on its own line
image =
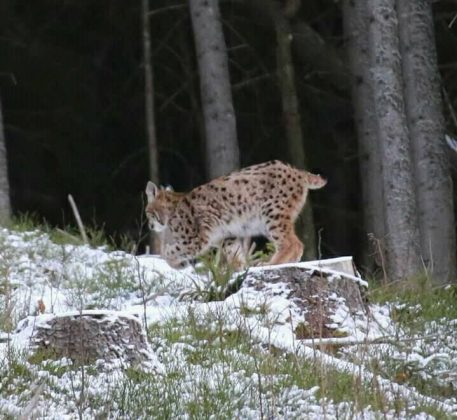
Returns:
<point x="291" y="117"/>
<point x="427" y="134"/>
<point x="186" y="49"/>
<point x="220" y="125"/>
<point x="308" y="46"/>
<point x="355" y="16"/>
<point x="5" y="205"/>
<point x="153" y="152"/>
<point x="320" y="55"/>
<point x="149" y="97"/>
<point x="402" y="235"/>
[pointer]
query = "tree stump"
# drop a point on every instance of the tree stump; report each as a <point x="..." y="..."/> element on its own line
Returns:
<point x="320" y="298"/>
<point x="88" y="336"/>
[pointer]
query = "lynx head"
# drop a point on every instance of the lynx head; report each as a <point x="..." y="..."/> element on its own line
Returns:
<point x="314" y="182"/>
<point x="161" y="204"/>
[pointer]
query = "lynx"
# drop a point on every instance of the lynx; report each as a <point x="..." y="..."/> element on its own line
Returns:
<point x="263" y="199"/>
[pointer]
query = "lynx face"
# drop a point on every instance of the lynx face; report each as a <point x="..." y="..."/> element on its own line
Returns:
<point x="263" y="199"/>
<point x="160" y="206"/>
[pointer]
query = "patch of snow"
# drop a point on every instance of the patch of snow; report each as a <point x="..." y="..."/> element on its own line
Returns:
<point x="67" y="277"/>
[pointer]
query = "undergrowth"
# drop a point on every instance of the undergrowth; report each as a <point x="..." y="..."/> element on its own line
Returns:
<point x="69" y="234"/>
<point x="216" y="369"/>
<point x="430" y="302"/>
<point x="426" y="335"/>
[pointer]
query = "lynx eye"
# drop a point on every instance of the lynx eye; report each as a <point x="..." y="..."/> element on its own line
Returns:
<point x="151" y="215"/>
<point x="155" y="217"/>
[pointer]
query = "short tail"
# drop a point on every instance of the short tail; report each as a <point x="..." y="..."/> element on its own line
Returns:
<point x="314" y="182"/>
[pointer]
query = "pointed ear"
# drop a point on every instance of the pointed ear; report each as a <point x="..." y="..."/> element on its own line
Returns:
<point x="151" y="191"/>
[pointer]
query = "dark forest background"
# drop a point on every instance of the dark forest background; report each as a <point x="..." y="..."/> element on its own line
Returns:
<point x="72" y="90"/>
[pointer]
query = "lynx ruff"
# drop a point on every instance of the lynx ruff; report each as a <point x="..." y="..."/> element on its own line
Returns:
<point x="262" y="199"/>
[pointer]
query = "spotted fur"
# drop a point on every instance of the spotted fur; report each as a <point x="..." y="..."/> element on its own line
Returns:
<point x="262" y="199"/>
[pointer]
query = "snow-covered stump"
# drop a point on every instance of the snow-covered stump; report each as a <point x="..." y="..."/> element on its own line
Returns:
<point x="87" y="337"/>
<point x="319" y="300"/>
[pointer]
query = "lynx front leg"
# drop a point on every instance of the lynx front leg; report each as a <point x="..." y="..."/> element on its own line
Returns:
<point x="181" y="253"/>
<point x="176" y="260"/>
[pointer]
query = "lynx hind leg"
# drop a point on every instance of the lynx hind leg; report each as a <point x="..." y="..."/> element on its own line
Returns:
<point x="289" y="249"/>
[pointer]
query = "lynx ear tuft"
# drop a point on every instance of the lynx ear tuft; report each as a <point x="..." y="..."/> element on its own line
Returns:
<point x="151" y="191"/>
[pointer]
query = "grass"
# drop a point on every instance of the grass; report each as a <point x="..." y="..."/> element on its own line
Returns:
<point x="421" y="314"/>
<point x="15" y="373"/>
<point x="103" y="286"/>
<point x="216" y="370"/>
<point x="68" y="235"/>
<point x="112" y="280"/>
<point x="220" y="274"/>
<point x="210" y="373"/>
<point x="432" y="302"/>
<point x="207" y="344"/>
<point x="267" y="376"/>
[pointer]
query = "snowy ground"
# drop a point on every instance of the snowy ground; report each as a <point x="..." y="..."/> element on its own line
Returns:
<point x="236" y="358"/>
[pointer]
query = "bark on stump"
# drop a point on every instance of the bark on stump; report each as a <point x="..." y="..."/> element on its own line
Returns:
<point x="316" y="293"/>
<point x="88" y="337"/>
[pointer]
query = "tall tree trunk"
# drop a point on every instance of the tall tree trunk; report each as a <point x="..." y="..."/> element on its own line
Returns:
<point x="220" y="125"/>
<point x="149" y="96"/>
<point x="291" y="116"/>
<point x="308" y="46"/>
<point x="355" y="16"/>
<point x="193" y="92"/>
<point x="402" y="234"/>
<point x="427" y="133"/>
<point x="153" y="152"/>
<point x="5" y="205"/>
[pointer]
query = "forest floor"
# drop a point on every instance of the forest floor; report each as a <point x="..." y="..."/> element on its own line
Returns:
<point x="226" y="359"/>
